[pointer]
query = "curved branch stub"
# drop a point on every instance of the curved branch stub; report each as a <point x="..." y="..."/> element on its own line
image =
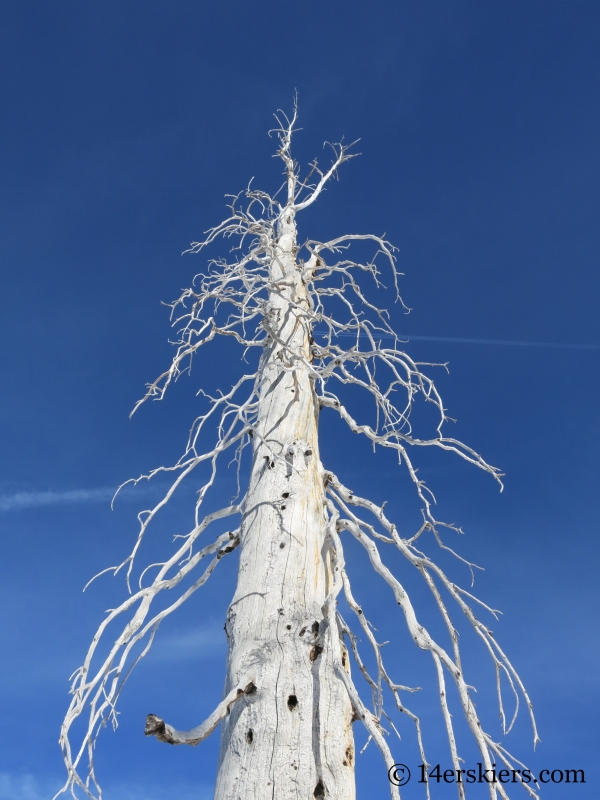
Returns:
<point x="155" y="726"/>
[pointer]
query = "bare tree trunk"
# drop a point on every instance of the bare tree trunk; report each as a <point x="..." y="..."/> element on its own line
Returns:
<point x="292" y="737"/>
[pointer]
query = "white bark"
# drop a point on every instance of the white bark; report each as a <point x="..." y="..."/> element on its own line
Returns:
<point x="292" y="738"/>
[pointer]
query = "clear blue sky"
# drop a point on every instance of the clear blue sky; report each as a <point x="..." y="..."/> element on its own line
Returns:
<point x="123" y="126"/>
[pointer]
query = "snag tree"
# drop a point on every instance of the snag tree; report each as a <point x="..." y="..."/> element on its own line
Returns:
<point x="290" y="699"/>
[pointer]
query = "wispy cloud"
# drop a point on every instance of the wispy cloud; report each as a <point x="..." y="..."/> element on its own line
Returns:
<point x="25" y="787"/>
<point x="203" y="643"/>
<point x="137" y="791"/>
<point x="20" y="673"/>
<point x="29" y="787"/>
<point x="12" y="502"/>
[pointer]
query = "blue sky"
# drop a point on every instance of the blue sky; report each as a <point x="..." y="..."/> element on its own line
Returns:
<point x="124" y="125"/>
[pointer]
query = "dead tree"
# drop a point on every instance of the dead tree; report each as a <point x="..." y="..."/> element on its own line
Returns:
<point x="290" y="699"/>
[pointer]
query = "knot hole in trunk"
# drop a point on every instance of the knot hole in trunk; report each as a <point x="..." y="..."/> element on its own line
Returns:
<point x="289" y="463"/>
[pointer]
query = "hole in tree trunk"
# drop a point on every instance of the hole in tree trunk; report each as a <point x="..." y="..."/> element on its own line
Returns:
<point x="315" y="652"/>
<point x="292" y="702"/>
<point x="250" y="736"/>
<point x="315" y="628"/>
<point x="289" y="458"/>
<point x="319" y="792"/>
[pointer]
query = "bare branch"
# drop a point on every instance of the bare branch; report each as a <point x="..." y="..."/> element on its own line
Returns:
<point x="157" y="727"/>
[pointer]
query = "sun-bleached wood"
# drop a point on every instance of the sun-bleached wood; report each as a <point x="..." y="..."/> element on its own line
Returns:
<point x="290" y="698"/>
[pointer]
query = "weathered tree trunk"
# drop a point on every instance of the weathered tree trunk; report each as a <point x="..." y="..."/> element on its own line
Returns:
<point x="292" y="736"/>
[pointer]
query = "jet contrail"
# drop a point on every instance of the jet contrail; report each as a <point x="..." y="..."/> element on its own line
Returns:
<point x="454" y="339"/>
<point x="51" y="498"/>
<point x="508" y="342"/>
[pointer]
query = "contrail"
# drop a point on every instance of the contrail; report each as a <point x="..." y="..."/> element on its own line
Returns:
<point x="35" y="498"/>
<point x="456" y="340"/>
<point x="506" y="342"/>
<point x="51" y="498"/>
